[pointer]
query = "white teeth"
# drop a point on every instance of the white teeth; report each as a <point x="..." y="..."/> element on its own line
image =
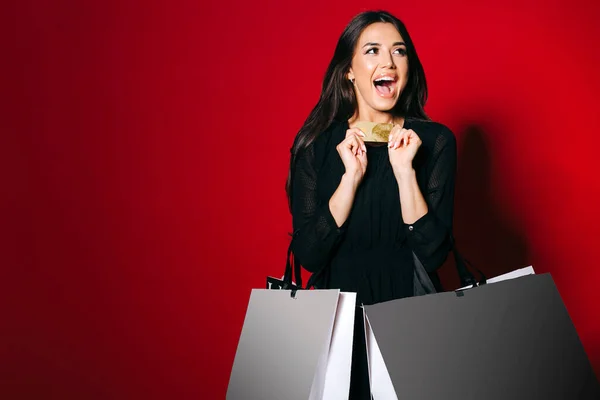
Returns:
<point x="384" y="78"/>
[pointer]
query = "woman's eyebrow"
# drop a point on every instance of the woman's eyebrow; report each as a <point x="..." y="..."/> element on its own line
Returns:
<point x="379" y="44"/>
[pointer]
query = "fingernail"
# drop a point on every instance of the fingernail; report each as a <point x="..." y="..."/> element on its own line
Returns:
<point x="364" y="148"/>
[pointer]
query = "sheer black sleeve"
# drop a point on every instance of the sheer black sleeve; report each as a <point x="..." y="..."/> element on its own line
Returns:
<point x="429" y="237"/>
<point x="315" y="230"/>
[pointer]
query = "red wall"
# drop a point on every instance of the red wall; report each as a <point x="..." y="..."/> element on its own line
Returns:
<point x="144" y="151"/>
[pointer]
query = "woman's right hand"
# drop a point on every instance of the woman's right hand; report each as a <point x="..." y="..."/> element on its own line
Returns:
<point x="353" y="152"/>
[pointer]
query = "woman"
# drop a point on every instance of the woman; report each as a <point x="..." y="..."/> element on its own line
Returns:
<point x="363" y="215"/>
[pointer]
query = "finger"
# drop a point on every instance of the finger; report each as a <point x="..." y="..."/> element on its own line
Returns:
<point x="359" y="139"/>
<point x="410" y="134"/>
<point x="359" y="132"/>
<point x="347" y="146"/>
<point x="397" y="132"/>
<point x="396" y="139"/>
<point x="414" y="138"/>
<point x="353" y="144"/>
<point x="351" y="137"/>
<point x="361" y="143"/>
<point x="403" y="139"/>
<point x="355" y="131"/>
<point x="363" y="157"/>
<point x="350" y="145"/>
<point x="394" y="133"/>
<point x="393" y="139"/>
<point x="396" y="128"/>
<point x="348" y="140"/>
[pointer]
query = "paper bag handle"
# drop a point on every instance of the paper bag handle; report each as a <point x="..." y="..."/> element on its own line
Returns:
<point x="465" y="276"/>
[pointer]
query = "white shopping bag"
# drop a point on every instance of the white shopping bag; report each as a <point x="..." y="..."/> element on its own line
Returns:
<point x="382" y="387"/>
<point x="337" y="373"/>
<point x="510" y="275"/>
<point x="294" y="347"/>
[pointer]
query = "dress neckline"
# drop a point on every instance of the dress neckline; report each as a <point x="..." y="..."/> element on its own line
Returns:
<point x="346" y="126"/>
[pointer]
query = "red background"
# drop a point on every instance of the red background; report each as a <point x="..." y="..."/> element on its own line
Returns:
<point x="144" y="151"/>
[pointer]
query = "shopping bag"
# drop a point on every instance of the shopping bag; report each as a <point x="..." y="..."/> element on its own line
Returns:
<point x="512" y="339"/>
<point x="381" y="384"/>
<point x="294" y="347"/>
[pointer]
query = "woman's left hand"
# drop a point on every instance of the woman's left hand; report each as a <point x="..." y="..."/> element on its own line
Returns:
<point x="402" y="148"/>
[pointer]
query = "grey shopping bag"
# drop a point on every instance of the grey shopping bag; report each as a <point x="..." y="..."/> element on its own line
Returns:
<point x="294" y="347"/>
<point x="508" y="340"/>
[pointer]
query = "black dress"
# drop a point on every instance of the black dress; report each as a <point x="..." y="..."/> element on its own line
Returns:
<point x="372" y="252"/>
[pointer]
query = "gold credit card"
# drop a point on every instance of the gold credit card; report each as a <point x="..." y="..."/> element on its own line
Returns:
<point x="374" y="132"/>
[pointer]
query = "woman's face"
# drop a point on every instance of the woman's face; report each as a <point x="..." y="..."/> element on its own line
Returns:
<point x="379" y="68"/>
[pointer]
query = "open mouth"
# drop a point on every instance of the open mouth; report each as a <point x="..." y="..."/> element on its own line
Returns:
<point x="385" y="86"/>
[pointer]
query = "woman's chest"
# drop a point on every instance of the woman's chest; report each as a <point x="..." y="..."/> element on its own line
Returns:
<point x="378" y="184"/>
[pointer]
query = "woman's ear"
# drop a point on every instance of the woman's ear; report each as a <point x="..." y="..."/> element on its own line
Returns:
<point x="350" y="76"/>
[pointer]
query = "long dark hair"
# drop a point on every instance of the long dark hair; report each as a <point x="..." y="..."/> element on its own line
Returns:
<point x="338" y="101"/>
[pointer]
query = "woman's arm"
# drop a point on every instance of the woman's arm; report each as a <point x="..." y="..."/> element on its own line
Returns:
<point x="318" y="227"/>
<point x="428" y="215"/>
<point x="413" y="203"/>
<point x="316" y="231"/>
<point x="341" y="202"/>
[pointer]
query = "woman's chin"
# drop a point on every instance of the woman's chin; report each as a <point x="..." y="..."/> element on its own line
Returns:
<point x="384" y="105"/>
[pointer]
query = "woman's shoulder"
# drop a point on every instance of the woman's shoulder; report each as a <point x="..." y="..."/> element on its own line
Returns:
<point x="331" y="134"/>
<point x="432" y="132"/>
<point x="322" y="144"/>
<point x="326" y="140"/>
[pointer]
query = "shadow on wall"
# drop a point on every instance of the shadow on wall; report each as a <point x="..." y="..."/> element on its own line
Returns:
<point x="482" y="237"/>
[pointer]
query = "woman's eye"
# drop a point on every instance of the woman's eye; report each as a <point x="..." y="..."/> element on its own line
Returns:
<point x="372" y="50"/>
<point x="402" y="52"/>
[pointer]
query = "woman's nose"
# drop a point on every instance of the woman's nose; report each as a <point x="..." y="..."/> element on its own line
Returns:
<point x="388" y="61"/>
